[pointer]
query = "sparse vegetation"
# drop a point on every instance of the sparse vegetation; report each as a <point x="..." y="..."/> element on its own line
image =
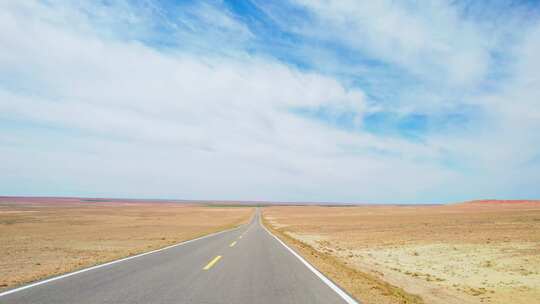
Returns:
<point x="44" y="239"/>
<point x="478" y="252"/>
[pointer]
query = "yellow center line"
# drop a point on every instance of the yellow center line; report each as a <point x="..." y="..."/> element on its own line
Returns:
<point x="232" y="244"/>
<point x="212" y="262"/>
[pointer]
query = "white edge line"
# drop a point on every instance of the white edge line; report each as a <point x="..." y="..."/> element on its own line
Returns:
<point x="69" y="274"/>
<point x="348" y="299"/>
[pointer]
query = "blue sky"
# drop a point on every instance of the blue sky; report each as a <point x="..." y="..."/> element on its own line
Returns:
<point x="293" y="100"/>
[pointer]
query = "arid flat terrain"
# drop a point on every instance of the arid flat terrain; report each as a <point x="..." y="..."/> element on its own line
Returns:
<point x="45" y="237"/>
<point x="477" y="252"/>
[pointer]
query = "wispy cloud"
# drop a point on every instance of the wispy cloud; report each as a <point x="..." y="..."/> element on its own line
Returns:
<point x="303" y="100"/>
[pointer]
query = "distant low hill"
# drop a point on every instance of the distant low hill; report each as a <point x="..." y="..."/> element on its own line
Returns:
<point x="502" y="202"/>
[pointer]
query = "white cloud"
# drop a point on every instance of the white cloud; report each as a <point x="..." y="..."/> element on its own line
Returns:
<point x="428" y="40"/>
<point x="103" y="114"/>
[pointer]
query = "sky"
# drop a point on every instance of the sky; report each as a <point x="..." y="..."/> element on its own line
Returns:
<point x="289" y="100"/>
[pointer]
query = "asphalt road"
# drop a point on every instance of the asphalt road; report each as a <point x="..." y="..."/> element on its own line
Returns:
<point x="244" y="265"/>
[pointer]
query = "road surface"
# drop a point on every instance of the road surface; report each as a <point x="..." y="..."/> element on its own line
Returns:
<point x="244" y="265"/>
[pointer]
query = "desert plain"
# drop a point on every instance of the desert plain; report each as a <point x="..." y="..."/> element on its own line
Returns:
<point x="474" y="252"/>
<point x="40" y="238"/>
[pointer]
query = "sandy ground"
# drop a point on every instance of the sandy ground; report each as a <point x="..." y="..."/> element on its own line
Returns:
<point x="40" y="239"/>
<point x="479" y="252"/>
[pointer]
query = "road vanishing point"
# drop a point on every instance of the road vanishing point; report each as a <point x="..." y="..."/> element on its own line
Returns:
<point x="243" y="265"/>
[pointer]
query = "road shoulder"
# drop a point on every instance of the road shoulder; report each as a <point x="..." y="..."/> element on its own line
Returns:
<point x="362" y="286"/>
